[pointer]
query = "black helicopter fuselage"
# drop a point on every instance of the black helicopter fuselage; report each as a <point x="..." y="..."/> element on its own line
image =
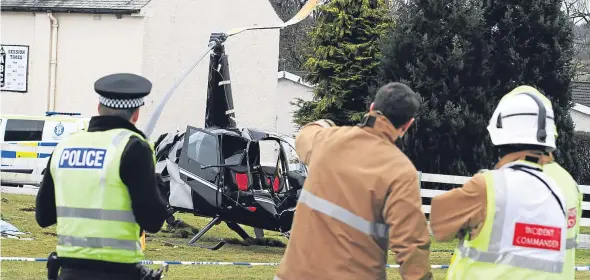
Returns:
<point x="222" y="167"/>
<point x="221" y="164"/>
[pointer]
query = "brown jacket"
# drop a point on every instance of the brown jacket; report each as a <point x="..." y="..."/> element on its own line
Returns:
<point x="463" y="210"/>
<point x="362" y="171"/>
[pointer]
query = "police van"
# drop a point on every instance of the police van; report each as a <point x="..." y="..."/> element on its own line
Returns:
<point x="28" y="141"/>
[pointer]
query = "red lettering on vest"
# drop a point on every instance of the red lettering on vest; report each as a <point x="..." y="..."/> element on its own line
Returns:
<point x="537" y="236"/>
<point x="571" y="217"/>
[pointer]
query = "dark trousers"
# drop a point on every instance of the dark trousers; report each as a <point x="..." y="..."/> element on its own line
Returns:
<point x="78" y="274"/>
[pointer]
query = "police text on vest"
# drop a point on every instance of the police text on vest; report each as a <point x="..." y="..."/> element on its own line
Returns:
<point x="82" y="158"/>
<point x="537" y="236"/>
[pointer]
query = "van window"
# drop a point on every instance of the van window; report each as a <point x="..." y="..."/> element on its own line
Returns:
<point x="23" y="130"/>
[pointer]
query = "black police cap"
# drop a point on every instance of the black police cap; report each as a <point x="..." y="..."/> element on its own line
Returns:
<point x="123" y="90"/>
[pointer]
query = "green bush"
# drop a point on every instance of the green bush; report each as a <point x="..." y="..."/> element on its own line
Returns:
<point x="439" y="49"/>
<point x="533" y="44"/>
<point x="343" y="60"/>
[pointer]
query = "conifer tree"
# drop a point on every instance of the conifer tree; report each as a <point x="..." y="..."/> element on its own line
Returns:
<point x="532" y="44"/>
<point x="343" y="60"/>
<point x="438" y="48"/>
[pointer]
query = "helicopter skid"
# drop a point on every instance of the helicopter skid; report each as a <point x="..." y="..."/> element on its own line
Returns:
<point x="202" y="232"/>
<point x="239" y="230"/>
<point x="213" y="248"/>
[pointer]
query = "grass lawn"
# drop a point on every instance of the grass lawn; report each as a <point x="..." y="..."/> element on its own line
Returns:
<point x="19" y="211"/>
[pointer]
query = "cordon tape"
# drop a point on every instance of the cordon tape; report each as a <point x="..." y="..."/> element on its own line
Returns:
<point x="147" y="262"/>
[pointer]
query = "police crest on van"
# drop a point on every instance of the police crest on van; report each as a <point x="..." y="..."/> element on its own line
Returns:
<point x="58" y="130"/>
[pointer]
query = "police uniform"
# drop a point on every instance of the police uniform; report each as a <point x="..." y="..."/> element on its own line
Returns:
<point x="101" y="189"/>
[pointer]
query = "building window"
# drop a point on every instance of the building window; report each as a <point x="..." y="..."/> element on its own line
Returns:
<point x="23" y="130"/>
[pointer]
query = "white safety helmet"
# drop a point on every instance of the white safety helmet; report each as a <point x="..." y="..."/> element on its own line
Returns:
<point x="523" y="116"/>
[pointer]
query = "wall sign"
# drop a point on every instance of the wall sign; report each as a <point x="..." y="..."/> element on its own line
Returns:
<point x="14" y="68"/>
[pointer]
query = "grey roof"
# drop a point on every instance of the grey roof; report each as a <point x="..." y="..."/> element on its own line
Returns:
<point x="80" y="6"/>
<point x="580" y="92"/>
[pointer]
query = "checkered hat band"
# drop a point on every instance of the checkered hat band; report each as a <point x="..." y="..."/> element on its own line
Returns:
<point x="121" y="103"/>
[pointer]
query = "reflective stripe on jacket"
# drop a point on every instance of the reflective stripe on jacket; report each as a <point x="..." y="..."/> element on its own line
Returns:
<point x="94" y="216"/>
<point x="524" y="233"/>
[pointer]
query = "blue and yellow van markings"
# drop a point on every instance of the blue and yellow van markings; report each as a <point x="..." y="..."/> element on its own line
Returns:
<point x="48" y="144"/>
<point x="15" y="154"/>
<point x="34" y="144"/>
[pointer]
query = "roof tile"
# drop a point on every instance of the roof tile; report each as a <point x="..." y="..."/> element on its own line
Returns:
<point x="581" y="93"/>
<point x="78" y="5"/>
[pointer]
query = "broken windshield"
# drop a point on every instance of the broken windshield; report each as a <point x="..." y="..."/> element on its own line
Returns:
<point x="202" y="147"/>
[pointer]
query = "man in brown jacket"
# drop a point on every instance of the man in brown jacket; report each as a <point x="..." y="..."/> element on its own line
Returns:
<point x="360" y="199"/>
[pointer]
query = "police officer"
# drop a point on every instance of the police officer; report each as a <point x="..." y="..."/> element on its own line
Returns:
<point x="511" y="221"/>
<point x="101" y="189"/>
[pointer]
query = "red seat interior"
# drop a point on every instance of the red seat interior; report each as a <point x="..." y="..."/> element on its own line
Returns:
<point x="275" y="183"/>
<point x="242" y="181"/>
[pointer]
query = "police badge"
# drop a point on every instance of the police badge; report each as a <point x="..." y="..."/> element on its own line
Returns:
<point x="58" y="130"/>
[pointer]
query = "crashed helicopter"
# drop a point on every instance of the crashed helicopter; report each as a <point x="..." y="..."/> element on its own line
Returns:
<point x="217" y="172"/>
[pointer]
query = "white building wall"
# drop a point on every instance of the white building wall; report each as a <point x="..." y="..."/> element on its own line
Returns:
<point x="32" y="30"/>
<point x="92" y="46"/>
<point x="288" y="91"/>
<point x="176" y="35"/>
<point x="89" y="46"/>
<point x="160" y="44"/>
<point x="581" y="121"/>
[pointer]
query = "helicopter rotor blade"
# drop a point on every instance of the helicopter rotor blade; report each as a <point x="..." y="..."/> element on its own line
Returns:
<point x="158" y="111"/>
<point x="302" y="14"/>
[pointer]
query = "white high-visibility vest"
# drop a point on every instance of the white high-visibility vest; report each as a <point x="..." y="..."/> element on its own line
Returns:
<point x="524" y="234"/>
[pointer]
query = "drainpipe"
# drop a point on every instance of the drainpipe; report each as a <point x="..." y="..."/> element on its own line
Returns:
<point x="52" y="63"/>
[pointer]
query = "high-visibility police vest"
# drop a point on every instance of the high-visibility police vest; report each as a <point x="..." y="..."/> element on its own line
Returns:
<point x="94" y="216"/>
<point x="573" y="199"/>
<point x="524" y="233"/>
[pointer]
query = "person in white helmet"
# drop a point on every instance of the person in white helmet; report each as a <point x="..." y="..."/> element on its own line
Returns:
<point x="510" y="221"/>
<point x="573" y="199"/>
